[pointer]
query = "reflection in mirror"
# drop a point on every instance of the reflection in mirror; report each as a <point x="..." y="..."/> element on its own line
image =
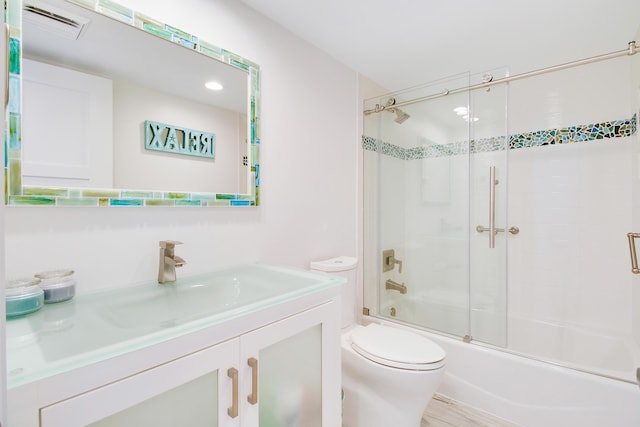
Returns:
<point x="79" y="102"/>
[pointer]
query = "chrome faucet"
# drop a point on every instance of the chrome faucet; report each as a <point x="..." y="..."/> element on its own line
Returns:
<point x="169" y="261"/>
<point x="394" y="286"/>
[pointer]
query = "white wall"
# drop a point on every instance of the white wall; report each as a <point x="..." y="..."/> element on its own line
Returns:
<point x="308" y="192"/>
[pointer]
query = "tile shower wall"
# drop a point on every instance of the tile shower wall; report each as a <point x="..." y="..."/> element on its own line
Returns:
<point x="569" y="281"/>
<point x="308" y="208"/>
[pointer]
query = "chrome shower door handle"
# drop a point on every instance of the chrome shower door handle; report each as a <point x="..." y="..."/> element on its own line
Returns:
<point x="492" y="207"/>
<point x="492" y="212"/>
<point x="632" y="250"/>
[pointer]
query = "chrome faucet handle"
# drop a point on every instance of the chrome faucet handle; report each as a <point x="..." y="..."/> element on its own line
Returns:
<point x="389" y="261"/>
<point x="176" y="261"/>
<point x="168" y="244"/>
<point x="399" y="263"/>
<point x="392" y="261"/>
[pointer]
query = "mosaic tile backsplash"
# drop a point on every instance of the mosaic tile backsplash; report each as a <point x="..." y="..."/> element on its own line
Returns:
<point x="17" y="194"/>
<point x="567" y="135"/>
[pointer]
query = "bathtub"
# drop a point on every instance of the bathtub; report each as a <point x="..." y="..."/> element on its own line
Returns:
<point x="445" y="310"/>
<point x="529" y="392"/>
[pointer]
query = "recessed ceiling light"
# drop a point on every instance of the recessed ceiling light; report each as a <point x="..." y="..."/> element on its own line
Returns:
<point x="213" y="85"/>
<point x="461" y="111"/>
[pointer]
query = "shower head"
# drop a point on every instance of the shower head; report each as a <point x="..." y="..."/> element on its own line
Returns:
<point x="401" y="116"/>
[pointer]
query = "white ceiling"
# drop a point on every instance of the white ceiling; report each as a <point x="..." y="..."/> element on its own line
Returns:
<point x="132" y="55"/>
<point x="403" y="43"/>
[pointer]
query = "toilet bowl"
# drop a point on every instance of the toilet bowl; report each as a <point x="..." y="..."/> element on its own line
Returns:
<point x="388" y="374"/>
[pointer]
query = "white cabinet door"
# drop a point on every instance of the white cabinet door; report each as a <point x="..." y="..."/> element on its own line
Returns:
<point x="194" y="390"/>
<point x="67" y="128"/>
<point x="296" y="362"/>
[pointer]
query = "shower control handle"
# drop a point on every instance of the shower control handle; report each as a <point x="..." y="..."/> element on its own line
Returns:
<point x="389" y="261"/>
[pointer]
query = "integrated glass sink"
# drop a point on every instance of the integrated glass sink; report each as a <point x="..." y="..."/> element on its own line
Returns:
<point x="171" y="304"/>
<point x="96" y="326"/>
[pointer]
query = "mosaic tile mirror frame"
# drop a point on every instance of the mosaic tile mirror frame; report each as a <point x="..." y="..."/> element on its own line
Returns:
<point x="16" y="193"/>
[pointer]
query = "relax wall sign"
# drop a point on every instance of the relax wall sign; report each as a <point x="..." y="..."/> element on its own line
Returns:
<point x="178" y="140"/>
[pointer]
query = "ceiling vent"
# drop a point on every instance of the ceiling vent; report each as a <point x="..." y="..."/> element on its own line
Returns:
<point x="53" y="20"/>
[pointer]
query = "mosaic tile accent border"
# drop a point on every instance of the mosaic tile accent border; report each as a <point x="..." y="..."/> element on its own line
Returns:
<point x="17" y="194"/>
<point x="44" y="196"/>
<point x="568" y="135"/>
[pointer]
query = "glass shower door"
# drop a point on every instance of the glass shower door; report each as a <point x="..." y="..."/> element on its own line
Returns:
<point x="417" y="208"/>
<point x="490" y="231"/>
<point x="437" y="230"/>
<point x="427" y="173"/>
<point x="635" y="186"/>
<point x="559" y="188"/>
<point x="635" y="223"/>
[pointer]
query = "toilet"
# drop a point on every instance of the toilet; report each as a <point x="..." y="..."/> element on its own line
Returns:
<point x="388" y="374"/>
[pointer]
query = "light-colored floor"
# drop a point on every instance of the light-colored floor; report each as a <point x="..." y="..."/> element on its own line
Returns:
<point x="443" y="412"/>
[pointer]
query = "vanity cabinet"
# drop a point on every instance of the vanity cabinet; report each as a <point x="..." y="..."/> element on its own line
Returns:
<point x="187" y="391"/>
<point x="285" y="373"/>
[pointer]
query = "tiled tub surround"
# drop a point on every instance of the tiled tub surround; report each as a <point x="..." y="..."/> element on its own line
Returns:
<point x="569" y="291"/>
<point x="17" y="194"/>
<point x="566" y="135"/>
<point x="555" y="197"/>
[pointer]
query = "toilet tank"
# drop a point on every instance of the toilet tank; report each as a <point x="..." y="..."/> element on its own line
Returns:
<point x="342" y="266"/>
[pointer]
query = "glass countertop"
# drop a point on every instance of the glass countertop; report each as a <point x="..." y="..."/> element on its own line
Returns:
<point x="94" y="327"/>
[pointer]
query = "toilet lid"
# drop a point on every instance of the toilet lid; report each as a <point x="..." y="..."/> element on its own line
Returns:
<point x="397" y="348"/>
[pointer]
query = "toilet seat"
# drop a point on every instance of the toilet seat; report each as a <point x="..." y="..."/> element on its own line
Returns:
<point x="397" y="348"/>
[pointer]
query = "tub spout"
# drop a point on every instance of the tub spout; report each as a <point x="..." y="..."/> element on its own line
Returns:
<point x="394" y="286"/>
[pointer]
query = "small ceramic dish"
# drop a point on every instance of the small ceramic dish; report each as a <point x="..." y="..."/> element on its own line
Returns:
<point x="23" y="296"/>
<point x="58" y="285"/>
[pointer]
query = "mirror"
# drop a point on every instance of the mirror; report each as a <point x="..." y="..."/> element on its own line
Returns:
<point x="108" y="107"/>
